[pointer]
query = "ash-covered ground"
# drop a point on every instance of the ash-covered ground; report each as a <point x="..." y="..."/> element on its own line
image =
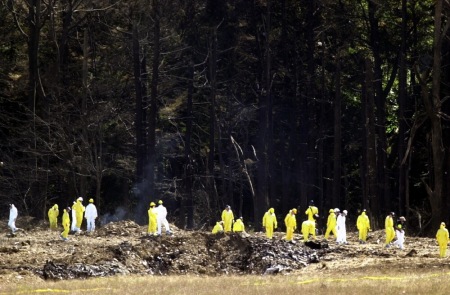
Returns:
<point x="123" y="248"/>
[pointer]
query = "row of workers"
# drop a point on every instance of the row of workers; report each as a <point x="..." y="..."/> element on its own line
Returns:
<point x="158" y="218"/>
<point x="78" y="211"/>
<point x="228" y="224"/>
<point x="336" y="225"/>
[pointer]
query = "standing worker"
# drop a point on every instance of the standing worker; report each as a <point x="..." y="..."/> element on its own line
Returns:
<point x="73" y="227"/>
<point x="90" y="214"/>
<point x="80" y="211"/>
<point x="400" y="234"/>
<point x="389" y="228"/>
<point x="442" y="239"/>
<point x="53" y="214"/>
<point x="227" y="218"/>
<point x="161" y="213"/>
<point x="331" y="224"/>
<point x="152" y="220"/>
<point x="291" y="225"/>
<point x="12" y="218"/>
<point x="341" y="227"/>
<point x="312" y="212"/>
<point x="363" y="225"/>
<point x="270" y="222"/>
<point x="65" y="223"/>
<point x="309" y="227"/>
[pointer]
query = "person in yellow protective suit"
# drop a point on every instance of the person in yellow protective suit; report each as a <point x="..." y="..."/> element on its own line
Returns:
<point x="363" y="225"/>
<point x="291" y="225"/>
<point x="331" y="225"/>
<point x="53" y="214"/>
<point x="309" y="226"/>
<point x="218" y="228"/>
<point x="389" y="228"/>
<point x="238" y="226"/>
<point x="65" y="224"/>
<point x="227" y="218"/>
<point x="270" y="222"/>
<point x="442" y="239"/>
<point x="80" y="211"/>
<point x="152" y="220"/>
<point x="312" y="212"/>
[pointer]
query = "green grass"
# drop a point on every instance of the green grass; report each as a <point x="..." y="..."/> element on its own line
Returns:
<point x="408" y="282"/>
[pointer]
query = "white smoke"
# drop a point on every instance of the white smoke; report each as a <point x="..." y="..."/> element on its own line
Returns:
<point x="118" y="215"/>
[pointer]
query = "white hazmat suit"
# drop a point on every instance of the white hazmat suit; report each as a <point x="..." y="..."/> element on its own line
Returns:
<point x="161" y="220"/>
<point x="341" y="230"/>
<point x="400" y="233"/>
<point x="12" y="217"/>
<point x="90" y="214"/>
<point x="73" y="226"/>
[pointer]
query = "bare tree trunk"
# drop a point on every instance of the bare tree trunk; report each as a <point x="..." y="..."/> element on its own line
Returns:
<point x="262" y="196"/>
<point x="369" y="107"/>
<point x="84" y="115"/>
<point x="432" y="103"/>
<point x="139" y="123"/>
<point x="403" y="167"/>
<point x="34" y="24"/>
<point x="337" y="145"/>
<point x="212" y="64"/>
<point x="189" y="204"/>
<point x="153" y="110"/>
<point x="380" y="103"/>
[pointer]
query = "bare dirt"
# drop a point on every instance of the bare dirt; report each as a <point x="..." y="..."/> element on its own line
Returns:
<point x="37" y="253"/>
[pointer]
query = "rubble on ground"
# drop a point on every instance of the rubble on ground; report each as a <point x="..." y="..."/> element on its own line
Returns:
<point x="123" y="248"/>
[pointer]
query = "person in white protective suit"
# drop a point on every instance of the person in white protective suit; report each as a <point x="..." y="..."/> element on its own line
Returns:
<point x="12" y="218"/>
<point x="400" y="234"/>
<point x="161" y="220"/>
<point x="73" y="226"/>
<point x="90" y="214"/>
<point x="341" y="229"/>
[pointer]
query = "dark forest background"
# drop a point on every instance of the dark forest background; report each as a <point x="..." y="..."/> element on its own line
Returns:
<point x="204" y="103"/>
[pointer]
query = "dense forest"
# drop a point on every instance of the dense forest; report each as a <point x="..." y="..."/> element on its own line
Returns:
<point x="203" y="103"/>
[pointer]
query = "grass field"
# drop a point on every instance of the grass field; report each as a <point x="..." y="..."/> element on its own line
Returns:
<point x="405" y="282"/>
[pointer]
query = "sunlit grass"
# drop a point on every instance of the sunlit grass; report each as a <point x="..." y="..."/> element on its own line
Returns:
<point x="408" y="282"/>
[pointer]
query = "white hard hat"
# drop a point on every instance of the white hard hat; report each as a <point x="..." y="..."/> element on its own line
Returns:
<point x="80" y="199"/>
<point x="345" y="212"/>
<point x="337" y="210"/>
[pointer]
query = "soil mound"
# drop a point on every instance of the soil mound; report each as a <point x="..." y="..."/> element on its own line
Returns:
<point x="123" y="247"/>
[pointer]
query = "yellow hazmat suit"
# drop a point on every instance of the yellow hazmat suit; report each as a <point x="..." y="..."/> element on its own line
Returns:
<point x="79" y="208"/>
<point x="65" y="224"/>
<point x="218" y="228"/>
<point x="238" y="226"/>
<point x="152" y="219"/>
<point x="363" y="225"/>
<point x="311" y="212"/>
<point x="331" y="225"/>
<point x="442" y="238"/>
<point x="309" y="226"/>
<point x="389" y="227"/>
<point x="270" y="222"/>
<point x="53" y="214"/>
<point x="291" y="224"/>
<point x="228" y="219"/>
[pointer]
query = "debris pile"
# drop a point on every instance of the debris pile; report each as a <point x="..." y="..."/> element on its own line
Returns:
<point x="124" y="248"/>
<point x="123" y="228"/>
<point x="63" y="271"/>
